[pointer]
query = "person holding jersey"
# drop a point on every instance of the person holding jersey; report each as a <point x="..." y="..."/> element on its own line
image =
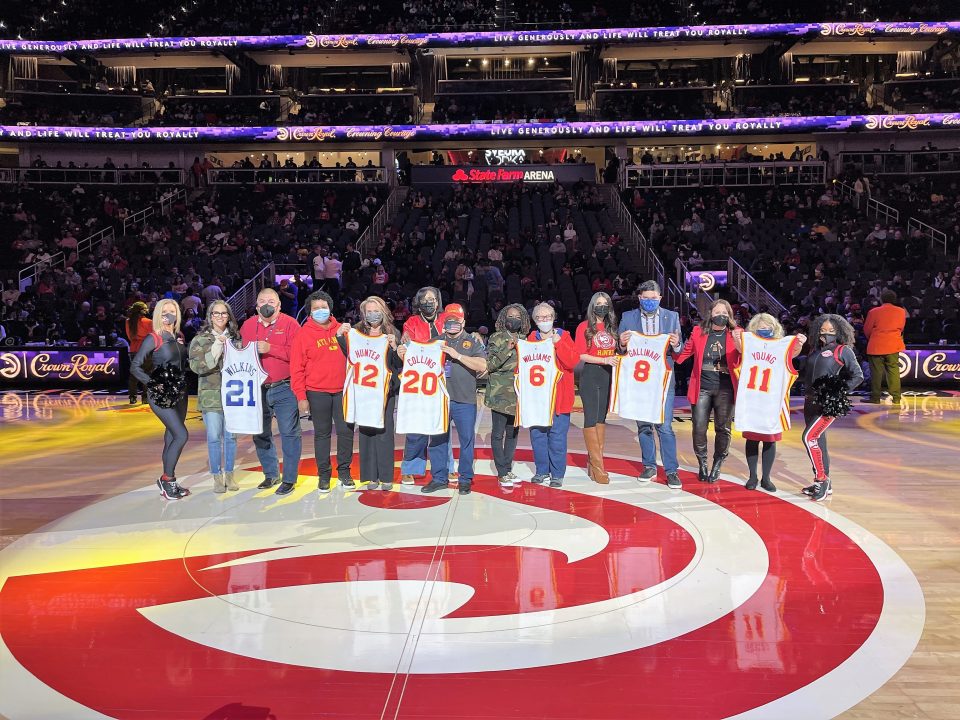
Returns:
<point x="422" y="327"/>
<point x="765" y="326"/>
<point x="206" y="360"/>
<point x="376" y="443"/>
<point x="832" y="354"/>
<point x="596" y="342"/>
<point x="137" y="326"/>
<point x="550" y="443"/>
<point x="162" y="347"/>
<point x="513" y="323"/>
<point x="318" y="371"/>
<point x="651" y="319"/>
<point x="274" y="333"/>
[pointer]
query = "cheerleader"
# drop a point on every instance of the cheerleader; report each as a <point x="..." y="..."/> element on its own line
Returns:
<point x="832" y="371"/>
<point x="166" y="390"/>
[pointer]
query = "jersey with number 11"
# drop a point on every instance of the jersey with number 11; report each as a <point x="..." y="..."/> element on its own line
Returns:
<point x="368" y="380"/>
<point x="766" y="375"/>
<point x="240" y="390"/>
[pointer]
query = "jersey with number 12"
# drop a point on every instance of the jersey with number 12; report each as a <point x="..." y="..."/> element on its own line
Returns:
<point x="536" y="382"/>
<point x="240" y="390"/>
<point x="368" y="380"/>
<point x="642" y="379"/>
<point x="766" y="375"/>
<point x="423" y="407"/>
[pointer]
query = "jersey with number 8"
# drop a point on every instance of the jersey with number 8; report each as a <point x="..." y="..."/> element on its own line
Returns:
<point x="368" y="380"/>
<point x="240" y="390"/>
<point x="537" y="378"/>
<point x="766" y="375"/>
<point x="423" y="407"/>
<point x="642" y="379"/>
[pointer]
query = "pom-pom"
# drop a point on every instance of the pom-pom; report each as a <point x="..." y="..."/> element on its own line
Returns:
<point x="830" y="393"/>
<point x="167" y="386"/>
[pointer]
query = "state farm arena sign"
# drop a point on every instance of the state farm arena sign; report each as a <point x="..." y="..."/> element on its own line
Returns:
<point x="463" y="174"/>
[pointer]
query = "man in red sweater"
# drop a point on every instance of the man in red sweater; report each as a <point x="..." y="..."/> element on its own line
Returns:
<point x="317" y="373"/>
<point x="550" y="443"/>
<point x="274" y="333"/>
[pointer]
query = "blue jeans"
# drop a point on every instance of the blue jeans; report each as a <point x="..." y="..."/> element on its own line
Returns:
<point x="415" y="449"/>
<point x="464" y="417"/>
<point x="219" y="443"/>
<point x="550" y="447"/>
<point x="280" y="402"/>
<point x="668" y="441"/>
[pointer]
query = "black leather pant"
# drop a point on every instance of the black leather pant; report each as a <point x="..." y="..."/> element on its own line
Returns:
<point x="720" y="402"/>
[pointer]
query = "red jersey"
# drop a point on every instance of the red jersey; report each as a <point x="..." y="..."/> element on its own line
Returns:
<point x="602" y="344"/>
<point x="280" y="334"/>
<point x="316" y="362"/>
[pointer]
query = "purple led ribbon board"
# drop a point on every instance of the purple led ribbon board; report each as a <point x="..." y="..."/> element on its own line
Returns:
<point x="391" y="134"/>
<point x="926" y="365"/>
<point x="504" y="38"/>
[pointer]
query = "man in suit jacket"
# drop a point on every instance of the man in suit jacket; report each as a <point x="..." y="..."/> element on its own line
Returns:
<point x="651" y="319"/>
<point x="884" y="330"/>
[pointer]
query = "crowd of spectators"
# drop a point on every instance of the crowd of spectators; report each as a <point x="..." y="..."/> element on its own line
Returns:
<point x="825" y="99"/>
<point x="923" y="95"/>
<point x="504" y="108"/>
<point x="655" y="105"/>
<point x="227" y="110"/>
<point x="354" y="110"/>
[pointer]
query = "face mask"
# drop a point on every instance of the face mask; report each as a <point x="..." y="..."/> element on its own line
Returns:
<point x="513" y="324"/>
<point x="828" y="338"/>
<point x="452" y="327"/>
<point x="601" y="310"/>
<point x="266" y="311"/>
<point x="720" y="320"/>
<point x="649" y="305"/>
<point x="545" y="326"/>
<point x="374" y="317"/>
<point x="169" y="318"/>
<point x="765" y="333"/>
<point x="321" y="315"/>
<point x="428" y="308"/>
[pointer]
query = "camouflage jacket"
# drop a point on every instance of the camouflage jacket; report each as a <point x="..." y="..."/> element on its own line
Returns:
<point x="501" y="394"/>
<point x="207" y="368"/>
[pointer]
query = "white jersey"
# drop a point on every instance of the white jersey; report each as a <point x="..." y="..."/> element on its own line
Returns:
<point x="241" y="390"/>
<point x="766" y="375"/>
<point x="537" y="379"/>
<point x="368" y="380"/>
<point x="423" y="407"/>
<point x="642" y="379"/>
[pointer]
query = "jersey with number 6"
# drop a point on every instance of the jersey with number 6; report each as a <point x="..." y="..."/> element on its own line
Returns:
<point x="537" y="378"/>
<point x="766" y="375"/>
<point x="423" y="407"/>
<point x="240" y="390"/>
<point x="368" y="380"/>
<point x="642" y="379"/>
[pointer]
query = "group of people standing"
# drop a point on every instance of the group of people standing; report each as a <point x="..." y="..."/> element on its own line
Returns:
<point x="374" y="380"/>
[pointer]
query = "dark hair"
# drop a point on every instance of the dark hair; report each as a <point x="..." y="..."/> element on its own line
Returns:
<point x="609" y="322"/>
<point x="137" y="310"/>
<point x="501" y="324"/>
<point x="888" y="296"/>
<point x="706" y="323"/>
<point x="422" y="293"/>
<point x="845" y="333"/>
<point x="649" y="286"/>
<point x="233" y="332"/>
<point x="318" y="295"/>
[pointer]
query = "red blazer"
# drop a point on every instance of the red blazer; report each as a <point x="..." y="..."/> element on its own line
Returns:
<point x="567" y="358"/>
<point x="694" y="347"/>
<point x="418" y="329"/>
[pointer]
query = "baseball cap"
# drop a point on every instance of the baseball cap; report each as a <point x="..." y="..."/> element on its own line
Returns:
<point x="454" y="310"/>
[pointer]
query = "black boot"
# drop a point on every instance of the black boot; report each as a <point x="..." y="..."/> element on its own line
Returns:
<point x="752" y="483"/>
<point x="715" y="471"/>
<point x="703" y="473"/>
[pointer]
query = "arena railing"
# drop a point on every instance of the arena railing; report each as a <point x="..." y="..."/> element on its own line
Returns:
<point x="652" y="267"/>
<point x="300" y="176"/>
<point x="243" y="301"/>
<point x="870" y="206"/>
<point x="730" y="174"/>
<point x="893" y="162"/>
<point x="28" y="275"/>
<point x="161" y="207"/>
<point x="93" y="176"/>
<point x="938" y="238"/>
<point x="382" y="217"/>
<point x="750" y="291"/>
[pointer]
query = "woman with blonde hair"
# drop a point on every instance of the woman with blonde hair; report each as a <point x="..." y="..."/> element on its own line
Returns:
<point x="166" y="391"/>
<point x="767" y="327"/>
<point x="206" y="360"/>
<point x="376" y="444"/>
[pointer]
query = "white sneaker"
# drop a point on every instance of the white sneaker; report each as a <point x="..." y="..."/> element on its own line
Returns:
<point x="511" y="476"/>
<point x="505" y="482"/>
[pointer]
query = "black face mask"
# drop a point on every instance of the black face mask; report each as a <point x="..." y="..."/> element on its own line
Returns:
<point x="720" y="320"/>
<point x="266" y="311"/>
<point x="513" y="324"/>
<point x="828" y="338"/>
<point x="601" y="310"/>
<point x="169" y="318"/>
<point x="428" y="308"/>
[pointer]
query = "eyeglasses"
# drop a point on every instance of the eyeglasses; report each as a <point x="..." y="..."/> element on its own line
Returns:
<point x="219" y="314"/>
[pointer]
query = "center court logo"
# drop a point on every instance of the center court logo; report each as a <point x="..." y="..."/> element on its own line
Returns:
<point x="328" y="596"/>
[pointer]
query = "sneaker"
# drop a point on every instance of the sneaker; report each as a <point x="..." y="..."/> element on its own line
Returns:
<point x="169" y="489"/>
<point x="133" y="399"/>
<point x="510" y="476"/>
<point x="323" y="485"/>
<point x="505" y="482"/>
<point x="539" y="479"/>
<point x="822" y="491"/>
<point x="464" y="489"/>
<point x="673" y="481"/>
<point x="648" y="474"/>
<point x="556" y="482"/>
<point x="348" y="484"/>
<point x="372" y="485"/>
<point x="767" y="485"/>
<point x="406" y="479"/>
<point x="285" y="488"/>
<point x="268" y="483"/>
<point x="386" y="486"/>
<point x="453" y="476"/>
<point x="431" y="487"/>
<point x="813" y="489"/>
